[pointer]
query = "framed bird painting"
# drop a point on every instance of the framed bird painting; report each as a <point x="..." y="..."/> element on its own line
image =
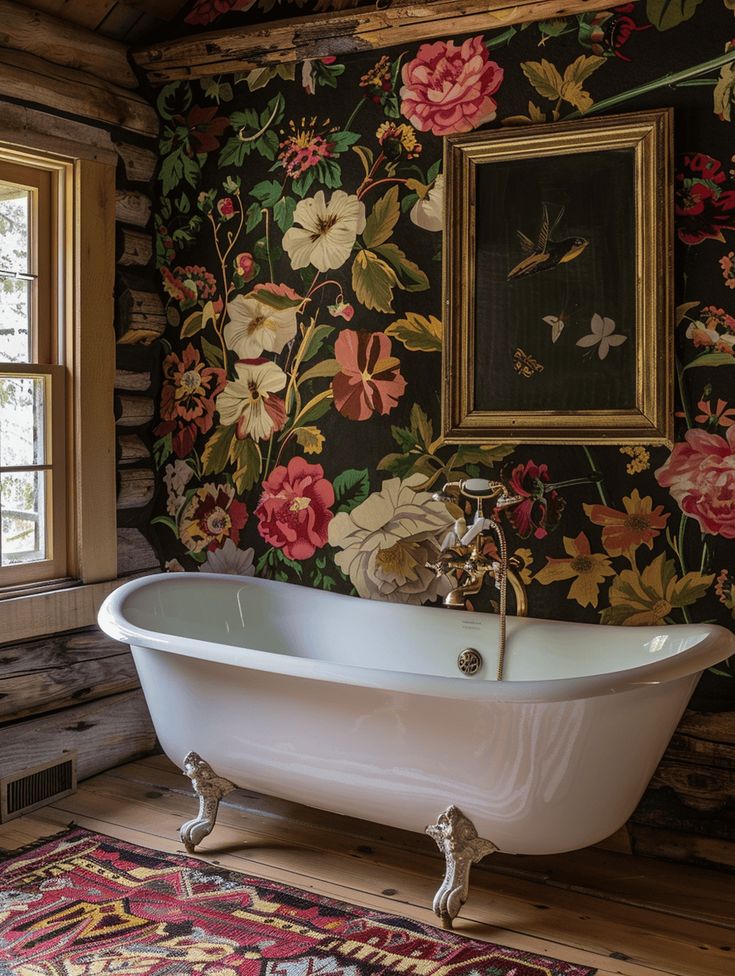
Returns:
<point x="558" y="300"/>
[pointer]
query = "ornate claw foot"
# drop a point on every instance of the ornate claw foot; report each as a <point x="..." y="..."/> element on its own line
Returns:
<point x="210" y="788"/>
<point x="458" y="841"/>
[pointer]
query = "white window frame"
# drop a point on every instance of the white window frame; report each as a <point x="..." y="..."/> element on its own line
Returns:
<point x="86" y="181"/>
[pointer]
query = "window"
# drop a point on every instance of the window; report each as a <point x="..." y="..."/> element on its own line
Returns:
<point x="58" y="552"/>
<point x="32" y="427"/>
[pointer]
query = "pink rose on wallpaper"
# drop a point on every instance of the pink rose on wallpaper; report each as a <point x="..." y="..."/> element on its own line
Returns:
<point x="206" y="11"/>
<point x="447" y="88"/>
<point x="370" y="380"/>
<point x="294" y="510"/>
<point x="700" y="473"/>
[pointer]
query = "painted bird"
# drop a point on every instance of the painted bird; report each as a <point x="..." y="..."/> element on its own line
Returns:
<point x="545" y="253"/>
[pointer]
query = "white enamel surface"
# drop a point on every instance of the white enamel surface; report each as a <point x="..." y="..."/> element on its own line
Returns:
<point x="358" y="707"/>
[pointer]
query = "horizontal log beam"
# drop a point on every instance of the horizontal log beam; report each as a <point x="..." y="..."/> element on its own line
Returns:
<point x="341" y="32"/>
<point x="104" y="734"/>
<point x="132" y="207"/>
<point x="53" y="86"/>
<point x="30" y="128"/>
<point x="62" y="671"/>
<point x="56" y="40"/>
<point x="140" y="164"/>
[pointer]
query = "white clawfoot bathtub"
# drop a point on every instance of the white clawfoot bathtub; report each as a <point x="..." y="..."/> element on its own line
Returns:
<point x="358" y="707"/>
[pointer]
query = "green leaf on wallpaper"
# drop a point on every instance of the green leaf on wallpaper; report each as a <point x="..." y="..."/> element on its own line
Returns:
<point x="212" y="354"/>
<point x="665" y="14"/>
<point x="253" y="217"/>
<point x="417" y="333"/>
<point x="267" y="193"/>
<point x="328" y="173"/>
<point x="317" y="339"/>
<point x="162" y="449"/>
<point x="383" y="219"/>
<point x="320" y="405"/>
<point x="487" y="455"/>
<point x="234" y="152"/>
<point x="198" y="320"/>
<point x="220" y="91"/>
<point x="272" y="559"/>
<point x="173" y="99"/>
<point x="365" y="155"/>
<point x="183" y="205"/>
<point x="248" y="461"/>
<point x="177" y="166"/>
<point x="351" y="488"/>
<point x="373" y="281"/>
<point x="326" y="369"/>
<point x="259" y="77"/>
<point x="422" y="426"/>
<point x="711" y="359"/>
<point x="392" y="106"/>
<point x="341" y="141"/>
<point x="283" y="213"/>
<point x="168" y="522"/>
<point x="217" y="449"/>
<point x="302" y="185"/>
<point x="409" y="274"/>
<point x="192" y="324"/>
<point x="434" y="171"/>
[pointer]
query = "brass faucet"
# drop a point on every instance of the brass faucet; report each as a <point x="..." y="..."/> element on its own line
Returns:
<point x="466" y="556"/>
<point x="469" y="560"/>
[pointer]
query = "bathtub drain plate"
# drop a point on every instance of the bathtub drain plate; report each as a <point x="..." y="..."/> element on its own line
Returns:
<point x="469" y="661"/>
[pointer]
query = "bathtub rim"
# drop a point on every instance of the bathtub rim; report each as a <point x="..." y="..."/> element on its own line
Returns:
<point x="701" y="655"/>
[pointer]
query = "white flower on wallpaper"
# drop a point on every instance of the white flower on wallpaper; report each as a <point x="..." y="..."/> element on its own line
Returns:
<point x="327" y="231"/>
<point x="250" y="401"/>
<point x="255" y="327"/>
<point x="230" y="561"/>
<point x="176" y="477"/>
<point x="387" y="540"/>
<point x="428" y="213"/>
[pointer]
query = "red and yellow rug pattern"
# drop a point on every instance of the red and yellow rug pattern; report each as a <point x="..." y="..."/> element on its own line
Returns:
<point x="82" y="904"/>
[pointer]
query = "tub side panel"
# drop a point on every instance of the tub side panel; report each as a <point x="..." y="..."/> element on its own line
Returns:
<point x="534" y="778"/>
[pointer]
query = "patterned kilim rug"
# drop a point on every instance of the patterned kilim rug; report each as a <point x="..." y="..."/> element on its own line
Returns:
<point x="82" y="904"/>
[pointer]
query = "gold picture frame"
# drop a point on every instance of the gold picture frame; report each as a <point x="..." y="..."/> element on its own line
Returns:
<point x="574" y="220"/>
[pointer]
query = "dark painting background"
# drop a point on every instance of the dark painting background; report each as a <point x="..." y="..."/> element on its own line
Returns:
<point x="600" y="280"/>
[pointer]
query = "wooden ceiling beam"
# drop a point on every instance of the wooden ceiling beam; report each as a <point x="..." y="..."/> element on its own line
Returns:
<point x="341" y="32"/>
<point x="60" y="42"/>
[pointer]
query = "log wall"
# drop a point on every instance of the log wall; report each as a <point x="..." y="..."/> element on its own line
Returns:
<point x="80" y="690"/>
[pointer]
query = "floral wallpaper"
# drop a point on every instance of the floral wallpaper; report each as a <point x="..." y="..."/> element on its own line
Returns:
<point x="299" y="246"/>
<point x="225" y="13"/>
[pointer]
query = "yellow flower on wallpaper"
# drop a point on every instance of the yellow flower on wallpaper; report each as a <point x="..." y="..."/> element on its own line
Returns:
<point x="638" y="525"/>
<point x="648" y="597"/>
<point x="586" y="568"/>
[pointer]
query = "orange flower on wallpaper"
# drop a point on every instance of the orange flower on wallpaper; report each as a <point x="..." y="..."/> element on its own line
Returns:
<point x="586" y="568"/>
<point x="638" y="525"/>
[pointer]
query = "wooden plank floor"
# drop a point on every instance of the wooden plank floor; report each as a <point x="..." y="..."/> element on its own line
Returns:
<point x="625" y="915"/>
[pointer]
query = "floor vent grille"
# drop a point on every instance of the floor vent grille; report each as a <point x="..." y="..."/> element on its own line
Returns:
<point x="32" y="788"/>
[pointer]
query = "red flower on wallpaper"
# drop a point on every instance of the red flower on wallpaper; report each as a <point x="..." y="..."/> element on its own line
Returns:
<point x="700" y="474"/>
<point x="448" y="88"/>
<point x="370" y="380"/>
<point x="207" y="11"/>
<point x="211" y="517"/>
<point x="205" y="127"/>
<point x="187" y="398"/>
<point x="704" y="208"/>
<point x="294" y="510"/>
<point x="188" y="285"/>
<point x="542" y="505"/>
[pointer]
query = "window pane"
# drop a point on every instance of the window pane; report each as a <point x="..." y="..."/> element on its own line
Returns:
<point x="15" y="217"/>
<point x="15" y="317"/>
<point x="23" y="532"/>
<point x="15" y="309"/>
<point x="21" y="421"/>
